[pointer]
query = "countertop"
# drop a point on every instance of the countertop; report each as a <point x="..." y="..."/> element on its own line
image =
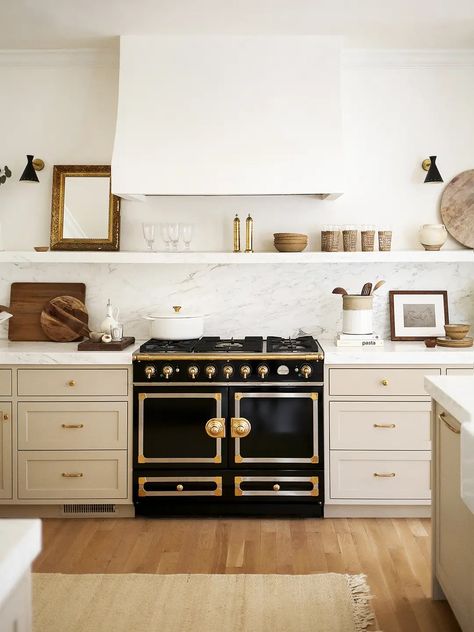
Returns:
<point x="391" y="353"/>
<point x="20" y="543"/>
<point x="456" y="395"/>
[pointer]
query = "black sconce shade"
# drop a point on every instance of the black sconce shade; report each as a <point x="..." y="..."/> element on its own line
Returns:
<point x="29" y="174"/>
<point x="433" y="174"/>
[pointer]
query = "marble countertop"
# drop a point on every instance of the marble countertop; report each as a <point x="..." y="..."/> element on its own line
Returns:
<point x="60" y="353"/>
<point x="20" y="543"/>
<point x="456" y="395"/>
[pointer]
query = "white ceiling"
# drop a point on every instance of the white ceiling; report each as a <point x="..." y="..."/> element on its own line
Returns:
<point x="363" y="23"/>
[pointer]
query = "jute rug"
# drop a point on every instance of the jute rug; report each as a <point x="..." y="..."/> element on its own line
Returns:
<point x="201" y="603"/>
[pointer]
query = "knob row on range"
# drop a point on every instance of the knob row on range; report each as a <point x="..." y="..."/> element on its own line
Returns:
<point x="210" y="371"/>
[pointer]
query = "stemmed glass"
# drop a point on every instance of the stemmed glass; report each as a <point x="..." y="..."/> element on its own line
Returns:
<point x="149" y="234"/>
<point x="165" y="236"/>
<point x="187" y="233"/>
<point x="173" y="232"/>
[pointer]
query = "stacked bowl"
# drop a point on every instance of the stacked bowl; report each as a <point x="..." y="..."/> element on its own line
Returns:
<point x="290" y="242"/>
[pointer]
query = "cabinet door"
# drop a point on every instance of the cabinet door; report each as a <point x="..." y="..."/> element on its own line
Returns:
<point x="454" y="522"/>
<point x="5" y="450"/>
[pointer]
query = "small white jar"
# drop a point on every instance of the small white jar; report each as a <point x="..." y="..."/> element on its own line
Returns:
<point x="433" y="236"/>
<point x="357" y="314"/>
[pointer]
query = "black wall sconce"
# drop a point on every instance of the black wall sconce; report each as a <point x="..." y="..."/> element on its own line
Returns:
<point x="4" y="174"/>
<point x="32" y="166"/>
<point x="429" y="165"/>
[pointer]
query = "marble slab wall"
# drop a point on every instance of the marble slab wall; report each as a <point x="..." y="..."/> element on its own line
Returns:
<point x="260" y="299"/>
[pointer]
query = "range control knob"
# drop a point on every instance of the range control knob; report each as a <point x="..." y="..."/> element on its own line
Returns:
<point x="167" y="371"/>
<point x="262" y="371"/>
<point x="193" y="371"/>
<point x="210" y="371"/>
<point x="306" y="370"/>
<point x="228" y="371"/>
<point x="150" y="371"/>
<point x="245" y="371"/>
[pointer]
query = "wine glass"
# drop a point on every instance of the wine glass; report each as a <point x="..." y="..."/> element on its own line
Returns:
<point x="187" y="233"/>
<point x="165" y="236"/>
<point x="173" y="232"/>
<point x="149" y="234"/>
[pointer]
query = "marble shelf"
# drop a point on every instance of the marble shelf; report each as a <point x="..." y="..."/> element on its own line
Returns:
<point x="201" y="257"/>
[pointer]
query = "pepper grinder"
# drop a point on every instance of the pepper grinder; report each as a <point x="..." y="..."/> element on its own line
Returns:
<point x="236" y="233"/>
<point x="249" y="234"/>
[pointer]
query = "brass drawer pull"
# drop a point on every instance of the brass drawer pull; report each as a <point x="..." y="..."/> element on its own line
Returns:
<point x="6" y="417"/>
<point x="442" y="417"/>
<point x="384" y="475"/>
<point x="385" y="426"/>
<point x="276" y="487"/>
<point x="72" y="474"/>
<point x="72" y="425"/>
<point x="71" y="383"/>
<point x="384" y="382"/>
<point x="179" y="488"/>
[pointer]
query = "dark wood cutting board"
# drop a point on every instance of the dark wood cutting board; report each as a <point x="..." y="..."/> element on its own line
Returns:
<point x="27" y="301"/>
<point x="117" y="345"/>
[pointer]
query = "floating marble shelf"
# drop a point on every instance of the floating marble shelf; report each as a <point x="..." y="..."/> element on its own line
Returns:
<point x="127" y="257"/>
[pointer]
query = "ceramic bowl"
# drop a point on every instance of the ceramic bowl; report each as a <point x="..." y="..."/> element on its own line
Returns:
<point x="457" y="331"/>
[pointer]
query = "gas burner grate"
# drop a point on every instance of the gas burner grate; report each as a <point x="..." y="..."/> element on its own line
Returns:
<point x="302" y="344"/>
<point x="169" y="346"/>
<point x="249" y="344"/>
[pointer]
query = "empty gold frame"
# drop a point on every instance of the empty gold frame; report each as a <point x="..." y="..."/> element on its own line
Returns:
<point x="85" y="215"/>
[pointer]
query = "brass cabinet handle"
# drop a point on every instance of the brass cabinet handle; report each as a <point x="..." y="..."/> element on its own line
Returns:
<point x="179" y="488"/>
<point x="71" y="383"/>
<point x="240" y="427"/>
<point x="72" y="474"/>
<point x="442" y="417"/>
<point x="384" y="382"/>
<point x="6" y="417"/>
<point x="384" y="474"/>
<point x="385" y="426"/>
<point x="215" y="427"/>
<point x="276" y="487"/>
<point x="72" y="425"/>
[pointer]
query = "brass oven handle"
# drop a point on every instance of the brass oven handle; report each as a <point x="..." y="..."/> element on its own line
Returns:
<point x="385" y="426"/>
<point x="72" y="474"/>
<point x="240" y="427"/>
<point x="215" y="427"/>
<point x="442" y="417"/>
<point x="384" y="474"/>
<point x="72" y="425"/>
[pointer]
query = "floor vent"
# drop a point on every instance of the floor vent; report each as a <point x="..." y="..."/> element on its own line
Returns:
<point x="88" y="509"/>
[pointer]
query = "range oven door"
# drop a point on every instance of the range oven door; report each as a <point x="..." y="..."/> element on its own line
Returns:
<point x="180" y="426"/>
<point x="276" y="425"/>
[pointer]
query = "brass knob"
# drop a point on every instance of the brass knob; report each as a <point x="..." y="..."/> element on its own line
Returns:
<point x="71" y="383"/>
<point x="193" y="371"/>
<point x="215" y="427"/>
<point x="179" y="487"/>
<point x="262" y="371"/>
<point x="240" y="430"/>
<point x="306" y="370"/>
<point x="177" y="308"/>
<point x="167" y="371"/>
<point x="5" y="417"/>
<point x="210" y="371"/>
<point x="228" y="371"/>
<point x="150" y="371"/>
<point x="240" y="427"/>
<point x="385" y="382"/>
<point x="245" y="371"/>
<point x="276" y="487"/>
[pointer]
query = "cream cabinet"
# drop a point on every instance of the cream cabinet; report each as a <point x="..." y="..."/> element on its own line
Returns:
<point x="6" y="451"/>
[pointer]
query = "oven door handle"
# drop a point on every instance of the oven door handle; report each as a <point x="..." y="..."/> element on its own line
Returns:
<point x="239" y="427"/>
<point x="215" y="427"/>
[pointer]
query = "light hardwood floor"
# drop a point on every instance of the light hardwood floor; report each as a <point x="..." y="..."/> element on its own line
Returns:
<point x="395" y="555"/>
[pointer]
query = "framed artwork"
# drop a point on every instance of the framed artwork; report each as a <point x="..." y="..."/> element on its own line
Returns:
<point x="418" y="314"/>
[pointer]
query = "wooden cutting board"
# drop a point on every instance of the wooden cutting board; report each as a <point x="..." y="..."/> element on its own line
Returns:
<point x="27" y="301"/>
<point x="64" y="319"/>
<point x="115" y="345"/>
<point x="457" y="208"/>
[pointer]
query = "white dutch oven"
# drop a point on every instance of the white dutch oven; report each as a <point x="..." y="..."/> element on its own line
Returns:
<point x="176" y="325"/>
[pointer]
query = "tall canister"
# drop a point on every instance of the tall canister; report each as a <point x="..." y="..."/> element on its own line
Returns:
<point x="357" y="314"/>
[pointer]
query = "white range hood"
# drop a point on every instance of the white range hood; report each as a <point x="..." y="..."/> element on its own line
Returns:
<point x="228" y="115"/>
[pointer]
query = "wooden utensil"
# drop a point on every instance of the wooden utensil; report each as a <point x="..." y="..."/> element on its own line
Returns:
<point x="367" y="289"/>
<point x="457" y="208"/>
<point x="64" y="319"/>
<point x="340" y="290"/>
<point x="377" y="286"/>
<point x="27" y="301"/>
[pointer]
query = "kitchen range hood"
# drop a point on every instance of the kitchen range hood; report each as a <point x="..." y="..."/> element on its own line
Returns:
<point x="228" y="115"/>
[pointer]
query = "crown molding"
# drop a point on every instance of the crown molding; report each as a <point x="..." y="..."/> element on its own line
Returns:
<point x="59" y="57"/>
<point x="407" y="58"/>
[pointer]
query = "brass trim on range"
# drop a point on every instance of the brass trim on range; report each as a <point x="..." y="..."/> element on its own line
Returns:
<point x="141" y="458"/>
<point x="239" y="383"/>
<point x="180" y="485"/>
<point x="276" y="490"/>
<point x="238" y="458"/>
<point x="150" y="357"/>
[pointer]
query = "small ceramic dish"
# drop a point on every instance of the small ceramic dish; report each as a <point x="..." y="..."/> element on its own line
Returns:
<point x="456" y="331"/>
<point x="41" y="248"/>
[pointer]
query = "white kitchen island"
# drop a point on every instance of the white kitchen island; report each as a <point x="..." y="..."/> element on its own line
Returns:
<point x="20" y="543"/>
<point x="453" y="494"/>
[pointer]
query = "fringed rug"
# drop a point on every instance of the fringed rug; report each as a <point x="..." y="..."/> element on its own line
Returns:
<point x="201" y="603"/>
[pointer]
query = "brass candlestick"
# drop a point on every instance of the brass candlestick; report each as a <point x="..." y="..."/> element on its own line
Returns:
<point x="249" y="234"/>
<point x="236" y="233"/>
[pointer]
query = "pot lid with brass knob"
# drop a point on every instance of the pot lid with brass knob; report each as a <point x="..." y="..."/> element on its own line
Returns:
<point x="175" y="311"/>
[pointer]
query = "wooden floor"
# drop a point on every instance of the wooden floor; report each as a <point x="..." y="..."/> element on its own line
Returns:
<point x="395" y="555"/>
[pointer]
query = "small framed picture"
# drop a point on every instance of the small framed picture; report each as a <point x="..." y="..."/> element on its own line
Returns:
<point x="418" y="314"/>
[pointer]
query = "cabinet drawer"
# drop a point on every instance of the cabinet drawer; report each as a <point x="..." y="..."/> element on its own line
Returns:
<point x="276" y="486"/>
<point x="179" y="486"/>
<point x="380" y="425"/>
<point x="5" y="382"/>
<point x="464" y="371"/>
<point x="72" y="382"/>
<point x="72" y="425"/>
<point x="60" y="474"/>
<point x="379" y="381"/>
<point x="380" y="475"/>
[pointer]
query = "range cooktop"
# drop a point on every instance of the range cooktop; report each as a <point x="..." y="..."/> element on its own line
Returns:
<point x="247" y="345"/>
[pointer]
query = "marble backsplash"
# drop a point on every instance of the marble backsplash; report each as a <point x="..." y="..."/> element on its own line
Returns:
<point x="260" y="299"/>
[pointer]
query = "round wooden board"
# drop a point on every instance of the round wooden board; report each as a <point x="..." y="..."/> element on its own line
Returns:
<point x="457" y="208"/>
<point x="64" y="319"/>
<point x="447" y="342"/>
